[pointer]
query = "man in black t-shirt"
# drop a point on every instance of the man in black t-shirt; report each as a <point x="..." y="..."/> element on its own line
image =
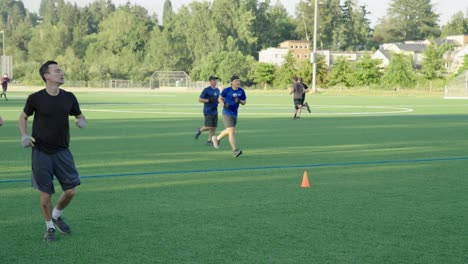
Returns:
<point x="306" y="90"/>
<point x="297" y="90"/>
<point x="4" y="80"/>
<point x="50" y="140"/>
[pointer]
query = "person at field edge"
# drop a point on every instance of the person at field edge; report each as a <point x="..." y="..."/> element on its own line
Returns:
<point x="209" y="97"/>
<point x="1" y="121"/>
<point x="5" y="81"/>
<point x="50" y="140"/>
<point x="306" y="90"/>
<point x="297" y="89"/>
<point x="231" y="97"/>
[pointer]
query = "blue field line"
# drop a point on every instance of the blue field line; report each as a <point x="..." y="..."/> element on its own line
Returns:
<point x="339" y="164"/>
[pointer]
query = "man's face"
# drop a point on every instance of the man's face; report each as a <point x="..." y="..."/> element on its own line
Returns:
<point x="213" y="82"/>
<point x="235" y="83"/>
<point x="54" y="74"/>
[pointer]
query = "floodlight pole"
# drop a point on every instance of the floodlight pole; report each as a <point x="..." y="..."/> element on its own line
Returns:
<point x="314" y="54"/>
<point x="3" y="53"/>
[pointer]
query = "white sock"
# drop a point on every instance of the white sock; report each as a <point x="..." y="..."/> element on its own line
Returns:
<point x="56" y="213"/>
<point x="50" y="224"/>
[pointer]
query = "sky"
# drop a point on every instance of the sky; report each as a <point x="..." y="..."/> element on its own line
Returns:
<point x="445" y="8"/>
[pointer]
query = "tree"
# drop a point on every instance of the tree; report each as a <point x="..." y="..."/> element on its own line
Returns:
<point x="408" y="20"/>
<point x="399" y="72"/>
<point x="433" y="65"/>
<point x="341" y="73"/>
<point x="168" y="13"/>
<point x="458" y="25"/>
<point x="264" y="74"/>
<point x="286" y="72"/>
<point x="367" y="71"/>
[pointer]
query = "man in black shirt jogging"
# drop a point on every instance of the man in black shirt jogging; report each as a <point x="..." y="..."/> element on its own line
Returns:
<point x="50" y="140"/>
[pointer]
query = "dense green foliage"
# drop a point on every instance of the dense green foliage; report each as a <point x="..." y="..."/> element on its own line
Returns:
<point x="103" y="41"/>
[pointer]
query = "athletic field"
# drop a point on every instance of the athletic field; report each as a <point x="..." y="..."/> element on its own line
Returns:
<point x="388" y="179"/>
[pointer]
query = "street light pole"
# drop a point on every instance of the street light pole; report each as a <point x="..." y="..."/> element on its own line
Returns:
<point x="314" y="54"/>
<point x="3" y="42"/>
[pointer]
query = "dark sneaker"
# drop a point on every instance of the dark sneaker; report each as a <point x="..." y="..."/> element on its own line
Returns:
<point x="49" y="235"/>
<point x="209" y="143"/>
<point x="61" y="225"/>
<point x="236" y="153"/>
<point x="215" y="141"/>
<point x="308" y="108"/>
<point x="197" y="134"/>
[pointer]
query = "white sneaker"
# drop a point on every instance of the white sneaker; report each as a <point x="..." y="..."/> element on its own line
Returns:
<point x="214" y="139"/>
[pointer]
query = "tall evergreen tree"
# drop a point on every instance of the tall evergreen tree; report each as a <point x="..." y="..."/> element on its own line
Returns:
<point x="408" y="20"/>
<point x="458" y="25"/>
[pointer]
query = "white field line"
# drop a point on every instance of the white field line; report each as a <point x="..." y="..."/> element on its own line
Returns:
<point x="393" y="110"/>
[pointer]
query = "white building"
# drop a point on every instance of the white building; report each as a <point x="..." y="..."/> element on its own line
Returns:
<point x="274" y="56"/>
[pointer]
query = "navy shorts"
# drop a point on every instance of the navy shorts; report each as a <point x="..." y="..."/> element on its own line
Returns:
<point x="211" y="120"/>
<point x="45" y="166"/>
<point x="229" y="121"/>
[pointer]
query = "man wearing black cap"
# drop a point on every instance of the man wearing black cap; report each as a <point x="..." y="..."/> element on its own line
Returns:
<point x="209" y="97"/>
<point x="230" y="98"/>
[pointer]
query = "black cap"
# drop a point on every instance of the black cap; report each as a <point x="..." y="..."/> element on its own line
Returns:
<point x="234" y="77"/>
<point x="213" y="77"/>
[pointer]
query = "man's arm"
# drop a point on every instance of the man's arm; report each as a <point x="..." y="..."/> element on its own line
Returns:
<point x="26" y="140"/>
<point x="23" y="124"/>
<point x="80" y="121"/>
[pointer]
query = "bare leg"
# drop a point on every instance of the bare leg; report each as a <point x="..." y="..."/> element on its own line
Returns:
<point x="232" y="137"/>
<point x="65" y="198"/>
<point x="46" y="206"/>
<point x="212" y="133"/>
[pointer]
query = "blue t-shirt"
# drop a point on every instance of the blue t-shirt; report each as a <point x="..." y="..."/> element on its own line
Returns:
<point x="230" y="95"/>
<point x="210" y="108"/>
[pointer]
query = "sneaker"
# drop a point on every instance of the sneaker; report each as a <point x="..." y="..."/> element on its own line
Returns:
<point x="61" y="225"/>
<point x="308" y="108"/>
<point x="236" y="153"/>
<point x="49" y="235"/>
<point x="214" y="139"/>
<point x="209" y="143"/>
<point x="197" y="134"/>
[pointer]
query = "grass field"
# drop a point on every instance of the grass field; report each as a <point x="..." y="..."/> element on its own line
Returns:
<point x="388" y="183"/>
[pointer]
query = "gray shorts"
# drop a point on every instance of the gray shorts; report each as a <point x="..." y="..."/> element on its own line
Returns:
<point x="211" y="121"/>
<point x="229" y="121"/>
<point x="60" y="164"/>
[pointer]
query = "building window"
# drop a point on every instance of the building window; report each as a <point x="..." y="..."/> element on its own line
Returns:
<point x="305" y="56"/>
<point x="292" y="47"/>
<point x="299" y="56"/>
<point x="306" y="47"/>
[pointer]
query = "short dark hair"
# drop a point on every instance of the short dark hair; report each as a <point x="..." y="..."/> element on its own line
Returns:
<point x="301" y="79"/>
<point x="295" y="78"/>
<point x="45" y="68"/>
<point x="234" y="77"/>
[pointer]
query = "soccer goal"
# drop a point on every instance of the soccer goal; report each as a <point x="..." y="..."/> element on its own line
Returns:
<point x="458" y="87"/>
<point x="170" y="79"/>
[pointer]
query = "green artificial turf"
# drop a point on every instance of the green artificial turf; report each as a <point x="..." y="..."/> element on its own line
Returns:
<point x="388" y="183"/>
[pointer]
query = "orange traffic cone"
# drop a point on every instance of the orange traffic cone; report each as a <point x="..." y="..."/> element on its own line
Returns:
<point x="305" y="180"/>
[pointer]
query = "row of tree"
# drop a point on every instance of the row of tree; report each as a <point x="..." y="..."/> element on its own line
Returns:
<point x="102" y="41"/>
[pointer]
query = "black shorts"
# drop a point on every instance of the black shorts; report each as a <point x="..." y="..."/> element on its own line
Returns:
<point x="298" y="102"/>
<point x="211" y="120"/>
<point x="60" y="164"/>
<point x="229" y="121"/>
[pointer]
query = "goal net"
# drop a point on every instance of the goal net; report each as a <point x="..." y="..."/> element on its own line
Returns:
<point x="170" y="79"/>
<point x="458" y="87"/>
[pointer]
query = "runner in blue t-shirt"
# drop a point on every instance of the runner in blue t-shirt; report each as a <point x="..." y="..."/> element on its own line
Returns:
<point x="209" y="97"/>
<point x="230" y="98"/>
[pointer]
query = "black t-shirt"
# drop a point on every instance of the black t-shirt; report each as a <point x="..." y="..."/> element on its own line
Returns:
<point x="51" y="127"/>
<point x="298" y="89"/>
